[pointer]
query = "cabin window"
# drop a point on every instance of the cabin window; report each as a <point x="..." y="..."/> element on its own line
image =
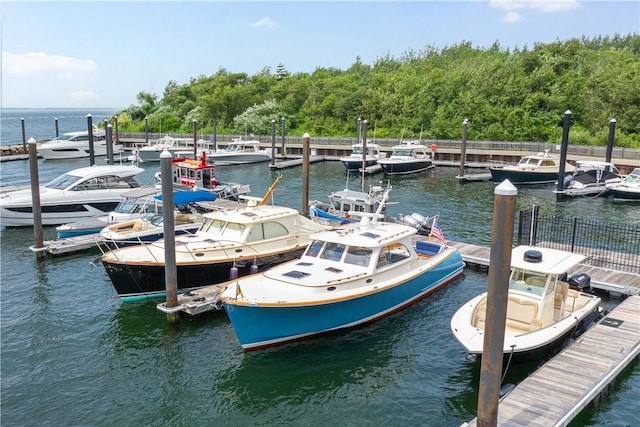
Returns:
<point x="392" y="253"/>
<point x="333" y="251"/>
<point x="213" y="226"/>
<point x="233" y="231"/>
<point x="267" y="230"/>
<point x="548" y="163"/>
<point x="314" y="249"/>
<point x="358" y="256"/>
<point x="62" y="182"/>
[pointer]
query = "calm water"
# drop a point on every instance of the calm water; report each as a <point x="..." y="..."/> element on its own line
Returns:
<point x="73" y="354"/>
<point x="40" y="124"/>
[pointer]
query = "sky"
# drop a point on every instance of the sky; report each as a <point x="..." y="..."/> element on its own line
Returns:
<point x="91" y="54"/>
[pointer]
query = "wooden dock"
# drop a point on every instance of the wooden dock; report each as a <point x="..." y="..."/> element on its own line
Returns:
<point x="559" y="390"/>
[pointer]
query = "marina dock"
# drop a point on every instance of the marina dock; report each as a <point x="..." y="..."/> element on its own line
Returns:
<point x="295" y="162"/>
<point x="565" y="385"/>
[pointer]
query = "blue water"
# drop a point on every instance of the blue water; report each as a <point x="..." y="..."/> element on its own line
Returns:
<point x="41" y="123"/>
<point x="73" y="354"/>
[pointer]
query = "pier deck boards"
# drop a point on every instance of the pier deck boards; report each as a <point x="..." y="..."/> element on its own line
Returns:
<point x="559" y="390"/>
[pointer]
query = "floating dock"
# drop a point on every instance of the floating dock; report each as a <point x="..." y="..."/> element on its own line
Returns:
<point x="474" y="177"/>
<point x="295" y="162"/>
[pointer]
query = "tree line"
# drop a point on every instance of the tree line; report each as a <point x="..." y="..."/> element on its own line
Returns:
<point x="518" y="94"/>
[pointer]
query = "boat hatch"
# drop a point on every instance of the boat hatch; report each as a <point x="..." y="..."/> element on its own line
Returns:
<point x="296" y="274"/>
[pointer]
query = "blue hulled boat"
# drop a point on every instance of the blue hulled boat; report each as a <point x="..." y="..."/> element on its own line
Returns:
<point x="348" y="276"/>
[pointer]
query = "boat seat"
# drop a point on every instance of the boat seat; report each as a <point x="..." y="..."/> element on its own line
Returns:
<point x="520" y="313"/>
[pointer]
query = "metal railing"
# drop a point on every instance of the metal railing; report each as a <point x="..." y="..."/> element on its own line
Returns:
<point x="608" y="245"/>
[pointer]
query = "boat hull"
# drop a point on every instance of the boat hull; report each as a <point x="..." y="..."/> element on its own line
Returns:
<point x="141" y="281"/>
<point x="621" y="195"/>
<point x="259" y="326"/>
<point x="355" y="165"/>
<point x="55" y="213"/>
<point x="523" y="176"/>
<point x="405" y="168"/>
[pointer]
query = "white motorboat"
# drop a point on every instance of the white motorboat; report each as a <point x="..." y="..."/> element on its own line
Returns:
<point x="353" y="162"/>
<point x="175" y="146"/>
<point x="539" y="168"/>
<point x="406" y="158"/>
<point x="628" y="189"/>
<point x="81" y="193"/>
<point x="239" y="152"/>
<point x="544" y="308"/>
<point x="73" y="145"/>
<point x="590" y="178"/>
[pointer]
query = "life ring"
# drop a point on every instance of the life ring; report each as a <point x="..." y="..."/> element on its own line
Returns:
<point x="433" y="147"/>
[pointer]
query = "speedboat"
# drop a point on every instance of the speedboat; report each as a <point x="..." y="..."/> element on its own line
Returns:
<point x="239" y="152"/>
<point x="544" y="307"/>
<point x="141" y="203"/>
<point x="628" y="189"/>
<point x="353" y="162"/>
<point x="590" y="178"/>
<point x="539" y="168"/>
<point x="73" y="145"/>
<point x="151" y="152"/>
<point x="253" y="237"/>
<point x="348" y="276"/>
<point x="133" y="204"/>
<point x="406" y="158"/>
<point x="81" y="193"/>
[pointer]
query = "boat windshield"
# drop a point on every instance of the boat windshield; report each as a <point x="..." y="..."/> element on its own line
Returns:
<point x="527" y="281"/>
<point x="357" y="150"/>
<point x="402" y="152"/>
<point x="62" y="182"/>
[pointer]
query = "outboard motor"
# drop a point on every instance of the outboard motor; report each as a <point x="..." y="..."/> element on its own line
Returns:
<point x="580" y="282"/>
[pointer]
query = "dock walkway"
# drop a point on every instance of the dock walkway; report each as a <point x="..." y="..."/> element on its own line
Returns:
<point x="559" y="390"/>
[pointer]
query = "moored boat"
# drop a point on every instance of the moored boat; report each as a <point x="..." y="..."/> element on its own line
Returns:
<point x="260" y="236"/>
<point x="239" y="152"/>
<point x="151" y="152"/>
<point x="348" y="276"/>
<point x="353" y="162"/>
<point x="590" y="178"/>
<point x="80" y="193"/>
<point x="406" y="158"/>
<point x="628" y="189"/>
<point x="544" y="307"/>
<point x="75" y="145"/>
<point x="539" y="168"/>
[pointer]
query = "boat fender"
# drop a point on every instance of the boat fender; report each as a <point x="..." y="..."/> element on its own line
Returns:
<point x="533" y="256"/>
<point x="233" y="273"/>
<point x="253" y="269"/>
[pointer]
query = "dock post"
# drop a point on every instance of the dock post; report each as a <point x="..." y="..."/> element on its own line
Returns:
<point x="504" y="208"/>
<point x="170" y="269"/>
<point x="24" y="135"/>
<point x="566" y="124"/>
<point x="195" y="140"/>
<point x="358" y="127"/>
<point x="612" y="132"/>
<point x="215" y="136"/>
<point x="463" y="148"/>
<point x="306" y="149"/>
<point x="108" y="136"/>
<point x="273" y="141"/>
<point x="117" y="137"/>
<point x="55" y="120"/>
<point x="364" y="151"/>
<point x="283" y="121"/>
<point x="35" y="198"/>
<point x="92" y="159"/>
<point x="146" y="130"/>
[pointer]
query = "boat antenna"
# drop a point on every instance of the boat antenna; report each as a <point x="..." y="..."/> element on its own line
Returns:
<point x="401" y="135"/>
<point x="533" y="218"/>
<point x="420" y="137"/>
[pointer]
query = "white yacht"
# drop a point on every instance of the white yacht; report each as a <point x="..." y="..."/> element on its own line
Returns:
<point x="74" y="145"/>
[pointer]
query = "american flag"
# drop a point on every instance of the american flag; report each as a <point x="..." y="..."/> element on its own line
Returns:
<point x="437" y="233"/>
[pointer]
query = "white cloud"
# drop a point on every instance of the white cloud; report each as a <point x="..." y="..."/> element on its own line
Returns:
<point x="512" y="17"/>
<point x="544" y="6"/>
<point x="38" y="63"/>
<point x="265" y="22"/>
